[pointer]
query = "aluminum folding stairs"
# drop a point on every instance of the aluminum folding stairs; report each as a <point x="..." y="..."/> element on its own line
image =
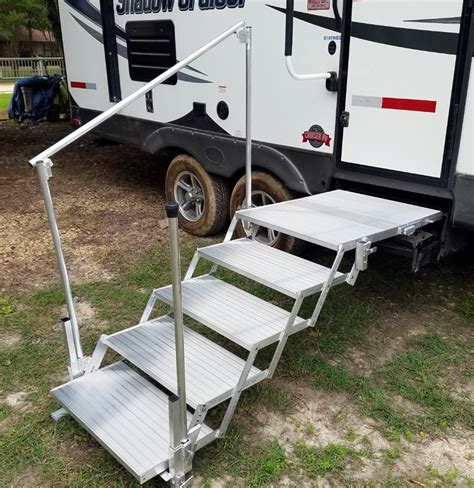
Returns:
<point x="125" y="406"/>
<point x="148" y="410"/>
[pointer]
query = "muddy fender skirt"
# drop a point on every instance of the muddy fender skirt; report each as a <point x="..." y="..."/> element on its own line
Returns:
<point x="266" y="189"/>
<point x="203" y="198"/>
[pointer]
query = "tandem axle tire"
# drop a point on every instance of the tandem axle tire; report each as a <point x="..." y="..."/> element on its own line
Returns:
<point x="203" y="198"/>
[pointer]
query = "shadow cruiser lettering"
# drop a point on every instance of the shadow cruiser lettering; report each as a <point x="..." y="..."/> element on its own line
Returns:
<point x="127" y="7"/>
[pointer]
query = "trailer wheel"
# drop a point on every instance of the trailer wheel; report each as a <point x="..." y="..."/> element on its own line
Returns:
<point x="266" y="189"/>
<point x="203" y="198"/>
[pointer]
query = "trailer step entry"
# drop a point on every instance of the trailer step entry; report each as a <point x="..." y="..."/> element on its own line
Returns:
<point x="149" y="409"/>
<point x="126" y="408"/>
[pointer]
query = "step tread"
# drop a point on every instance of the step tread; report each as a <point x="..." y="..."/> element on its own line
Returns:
<point x="241" y="317"/>
<point x="271" y="267"/>
<point x="212" y="372"/>
<point x="339" y="217"/>
<point x="126" y="414"/>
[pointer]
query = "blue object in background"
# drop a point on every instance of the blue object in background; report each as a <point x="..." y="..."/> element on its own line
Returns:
<point x="44" y="91"/>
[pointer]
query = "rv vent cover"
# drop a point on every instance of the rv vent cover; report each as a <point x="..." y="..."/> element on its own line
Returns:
<point x="151" y="47"/>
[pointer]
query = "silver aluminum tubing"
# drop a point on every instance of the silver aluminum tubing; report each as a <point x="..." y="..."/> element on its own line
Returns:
<point x="327" y="286"/>
<point x="43" y="169"/>
<point x="248" y="119"/>
<point x="172" y="210"/>
<point x="134" y="96"/>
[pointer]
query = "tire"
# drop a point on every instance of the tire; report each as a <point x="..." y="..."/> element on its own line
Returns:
<point x="264" y="184"/>
<point x="203" y="198"/>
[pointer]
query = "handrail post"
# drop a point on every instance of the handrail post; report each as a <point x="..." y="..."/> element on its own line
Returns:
<point x="172" y="210"/>
<point x="248" y="118"/>
<point x="179" y="441"/>
<point x="44" y="173"/>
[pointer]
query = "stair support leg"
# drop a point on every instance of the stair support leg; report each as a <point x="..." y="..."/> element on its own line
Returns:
<point x="327" y="286"/>
<point x="44" y="173"/>
<point x="59" y="414"/>
<point x="192" y="267"/>
<point x="284" y="336"/>
<point x="179" y="449"/>
<point x="149" y="307"/>
<point x="97" y="356"/>
<point x="195" y="425"/>
<point x="74" y="366"/>
<point x="228" y="236"/>
<point x="237" y="392"/>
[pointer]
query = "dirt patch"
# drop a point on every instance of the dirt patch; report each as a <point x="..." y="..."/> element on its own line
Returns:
<point x="454" y="452"/>
<point x="18" y="401"/>
<point x="87" y="314"/>
<point x="323" y="417"/>
<point x="30" y="477"/>
<point x="331" y="418"/>
<point x="78" y="453"/>
<point x="108" y="201"/>
<point x="391" y="334"/>
<point x="9" y="339"/>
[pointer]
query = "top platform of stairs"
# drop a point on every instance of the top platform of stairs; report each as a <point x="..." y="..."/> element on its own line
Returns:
<point x="341" y="218"/>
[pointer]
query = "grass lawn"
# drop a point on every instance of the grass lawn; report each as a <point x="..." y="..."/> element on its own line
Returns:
<point x="5" y="100"/>
<point x="411" y="398"/>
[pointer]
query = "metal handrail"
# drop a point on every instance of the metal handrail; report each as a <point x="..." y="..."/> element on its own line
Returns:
<point x="133" y="97"/>
<point x="43" y="165"/>
<point x="179" y="442"/>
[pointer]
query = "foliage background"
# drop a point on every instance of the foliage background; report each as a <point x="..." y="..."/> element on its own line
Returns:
<point x="30" y="14"/>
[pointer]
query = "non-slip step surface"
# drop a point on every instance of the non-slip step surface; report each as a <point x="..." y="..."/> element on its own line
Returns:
<point x="271" y="267"/>
<point x="241" y="317"/>
<point x="126" y="414"/>
<point x="339" y="217"/>
<point x="212" y="372"/>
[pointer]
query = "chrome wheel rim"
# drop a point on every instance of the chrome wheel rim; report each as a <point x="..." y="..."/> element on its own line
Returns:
<point x="189" y="194"/>
<point x="263" y="235"/>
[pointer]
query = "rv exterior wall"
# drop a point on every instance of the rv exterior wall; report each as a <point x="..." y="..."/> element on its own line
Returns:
<point x="283" y="109"/>
<point x="465" y="164"/>
<point x="401" y="60"/>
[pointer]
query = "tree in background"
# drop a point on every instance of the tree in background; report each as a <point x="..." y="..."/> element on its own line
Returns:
<point x="15" y="14"/>
<point x="52" y="10"/>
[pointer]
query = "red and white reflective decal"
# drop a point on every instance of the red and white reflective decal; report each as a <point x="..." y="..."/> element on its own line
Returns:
<point x="83" y="85"/>
<point x="410" y="104"/>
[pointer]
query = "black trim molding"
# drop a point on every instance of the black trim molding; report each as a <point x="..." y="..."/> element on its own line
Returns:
<point x="110" y="49"/>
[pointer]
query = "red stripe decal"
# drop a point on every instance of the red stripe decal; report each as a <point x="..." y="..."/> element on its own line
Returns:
<point x="78" y="84"/>
<point x="409" y="104"/>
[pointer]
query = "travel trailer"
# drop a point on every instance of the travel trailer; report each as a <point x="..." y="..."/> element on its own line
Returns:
<point x="393" y="119"/>
<point x="340" y="124"/>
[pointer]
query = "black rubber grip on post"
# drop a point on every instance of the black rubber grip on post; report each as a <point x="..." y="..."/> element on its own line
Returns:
<point x="290" y="12"/>
<point x="172" y="209"/>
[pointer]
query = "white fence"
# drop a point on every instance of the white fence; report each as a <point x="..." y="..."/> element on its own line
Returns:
<point x="16" y="68"/>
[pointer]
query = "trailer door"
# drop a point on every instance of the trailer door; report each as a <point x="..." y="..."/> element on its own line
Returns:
<point x="401" y="63"/>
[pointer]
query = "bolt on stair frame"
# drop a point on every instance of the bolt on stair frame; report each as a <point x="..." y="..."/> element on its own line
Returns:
<point x="43" y="165"/>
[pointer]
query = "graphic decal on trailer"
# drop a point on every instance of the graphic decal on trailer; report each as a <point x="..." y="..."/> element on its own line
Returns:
<point x="316" y="136"/>
<point x="83" y="85"/>
<point x="420" y="40"/>
<point x="394" y="103"/>
<point x="92" y="14"/>
<point x="155" y="6"/>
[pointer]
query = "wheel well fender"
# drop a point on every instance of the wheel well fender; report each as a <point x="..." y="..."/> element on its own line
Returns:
<point x="225" y="155"/>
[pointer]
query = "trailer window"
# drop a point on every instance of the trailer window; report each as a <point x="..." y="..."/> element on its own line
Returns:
<point x="151" y="47"/>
